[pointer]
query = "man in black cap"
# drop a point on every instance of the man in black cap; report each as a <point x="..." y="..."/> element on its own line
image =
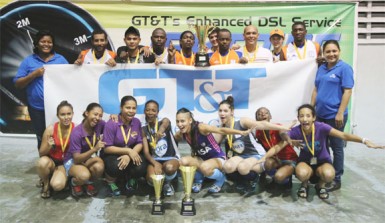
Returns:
<point x="132" y="53"/>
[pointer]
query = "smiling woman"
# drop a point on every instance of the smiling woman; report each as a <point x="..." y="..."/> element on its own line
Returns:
<point x="123" y="153"/>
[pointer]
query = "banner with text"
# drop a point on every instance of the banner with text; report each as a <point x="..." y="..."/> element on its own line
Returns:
<point x="281" y="87"/>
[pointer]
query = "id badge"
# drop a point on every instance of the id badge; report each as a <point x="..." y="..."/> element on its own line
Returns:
<point x="313" y="161"/>
<point x="230" y="154"/>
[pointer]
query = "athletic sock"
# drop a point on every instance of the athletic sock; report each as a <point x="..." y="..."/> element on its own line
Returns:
<point x="198" y="178"/>
<point x="219" y="177"/>
<point x="169" y="178"/>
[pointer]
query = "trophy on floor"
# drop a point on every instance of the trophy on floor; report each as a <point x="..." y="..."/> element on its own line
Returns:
<point x="188" y="206"/>
<point x="157" y="206"/>
<point x="201" y="57"/>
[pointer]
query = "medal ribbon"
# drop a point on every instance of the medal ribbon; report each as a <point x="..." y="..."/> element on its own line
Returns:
<point x="136" y="59"/>
<point x="162" y="55"/>
<point x="267" y="140"/>
<point x="251" y="60"/>
<point x="227" y="58"/>
<point x="153" y="143"/>
<point x="184" y="60"/>
<point x="101" y="59"/>
<point x="304" y="51"/>
<point x="125" y="137"/>
<point x="230" y="137"/>
<point x="93" y="141"/>
<point x="63" y="146"/>
<point x="311" y="149"/>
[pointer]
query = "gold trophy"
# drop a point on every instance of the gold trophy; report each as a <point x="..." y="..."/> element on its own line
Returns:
<point x="201" y="57"/>
<point x="188" y="206"/>
<point x="157" y="206"/>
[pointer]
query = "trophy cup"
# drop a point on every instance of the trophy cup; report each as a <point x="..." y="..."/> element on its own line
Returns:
<point x="157" y="206"/>
<point x="201" y="57"/>
<point x="188" y="207"/>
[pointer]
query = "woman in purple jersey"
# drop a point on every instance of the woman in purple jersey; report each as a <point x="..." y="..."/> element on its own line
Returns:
<point x="206" y="154"/>
<point x="314" y="162"/>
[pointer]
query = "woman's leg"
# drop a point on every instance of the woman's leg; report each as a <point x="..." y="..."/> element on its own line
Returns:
<point x="326" y="173"/>
<point x="80" y="176"/>
<point x="45" y="167"/>
<point x="231" y="164"/>
<point x="59" y="178"/>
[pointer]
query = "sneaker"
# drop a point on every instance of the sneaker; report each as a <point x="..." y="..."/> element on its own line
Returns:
<point x="131" y="185"/>
<point x="91" y="190"/>
<point x="114" y="189"/>
<point x="214" y="188"/>
<point x="240" y="186"/>
<point x="77" y="191"/>
<point x="334" y="185"/>
<point x="168" y="189"/>
<point x="252" y="185"/>
<point x="196" y="187"/>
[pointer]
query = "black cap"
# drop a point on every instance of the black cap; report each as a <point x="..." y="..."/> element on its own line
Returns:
<point x="132" y="30"/>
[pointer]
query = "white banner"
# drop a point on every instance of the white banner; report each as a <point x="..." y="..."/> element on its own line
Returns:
<point x="281" y="87"/>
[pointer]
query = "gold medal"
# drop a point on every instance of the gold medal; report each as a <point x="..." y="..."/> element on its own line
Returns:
<point x="230" y="154"/>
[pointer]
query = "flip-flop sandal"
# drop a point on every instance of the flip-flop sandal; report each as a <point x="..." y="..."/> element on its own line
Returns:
<point x="45" y="191"/>
<point x="303" y="192"/>
<point x="322" y="193"/>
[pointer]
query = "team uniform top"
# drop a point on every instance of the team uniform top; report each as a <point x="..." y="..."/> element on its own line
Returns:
<point x="330" y="85"/>
<point x="208" y="147"/>
<point x="322" y="131"/>
<point x="163" y="57"/>
<point x="35" y="89"/>
<point x="113" y="133"/>
<point x="57" y="153"/>
<point x="260" y="55"/>
<point x="243" y="145"/>
<point x="286" y="153"/>
<point x="165" y="147"/>
<point x="181" y="59"/>
<point x="290" y="51"/>
<point x="232" y="57"/>
<point x="88" y="56"/>
<point x="78" y="142"/>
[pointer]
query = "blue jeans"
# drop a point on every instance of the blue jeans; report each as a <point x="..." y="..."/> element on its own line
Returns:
<point x="38" y="122"/>
<point x="337" y="146"/>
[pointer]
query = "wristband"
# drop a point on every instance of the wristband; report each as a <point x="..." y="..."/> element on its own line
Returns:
<point x="364" y="140"/>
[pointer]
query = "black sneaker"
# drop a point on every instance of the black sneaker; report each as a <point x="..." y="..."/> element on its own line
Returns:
<point x="334" y="185"/>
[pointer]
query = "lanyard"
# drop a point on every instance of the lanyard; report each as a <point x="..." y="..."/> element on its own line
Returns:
<point x="230" y="137"/>
<point x="227" y="57"/>
<point x="251" y="60"/>
<point x="267" y="140"/>
<point x="125" y="137"/>
<point x="311" y="149"/>
<point x="136" y="59"/>
<point x="162" y="55"/>
<point x="101" y="59"/>
<point x="184" y="60"/>
<point x="63" y="146"/>
<point x="153" y="143"/>
<point x="304" y="51"/>
<point x="93" y="141"/>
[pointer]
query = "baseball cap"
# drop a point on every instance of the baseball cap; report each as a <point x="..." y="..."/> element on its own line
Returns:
<point x="132" y="30"/>
<point x="278" y="32"/>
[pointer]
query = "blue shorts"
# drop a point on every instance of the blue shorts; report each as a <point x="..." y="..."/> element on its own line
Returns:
<point x="246" y="156"/>
<point x="289" y="163"/>
<point x="68" y="165"/>
<point x="164" y="159"/>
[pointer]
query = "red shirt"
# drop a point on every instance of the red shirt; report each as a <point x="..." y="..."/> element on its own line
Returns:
<point x="286" y="153"/>
<point x="57" y="153"/>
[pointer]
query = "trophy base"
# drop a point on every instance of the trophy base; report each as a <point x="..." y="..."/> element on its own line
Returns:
<point x="188" y="208"/>
<point x="202" y="60"/>
<point x="157" y="209"/>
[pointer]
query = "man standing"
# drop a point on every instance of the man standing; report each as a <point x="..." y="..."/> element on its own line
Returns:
<point x="186" y="56"/>
<point x="300" y="48"/>
<point x="251" y="53"/>
<point x="159" y="49"/>
<point x="98" y="54"/>
<point x="276" y="39"/>
<point x="224" y="55"/>
<point x="131" y="53"/>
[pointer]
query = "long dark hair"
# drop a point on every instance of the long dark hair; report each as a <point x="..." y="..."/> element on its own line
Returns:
<point x="90" y="107"/>
<point x="193" y="131"/>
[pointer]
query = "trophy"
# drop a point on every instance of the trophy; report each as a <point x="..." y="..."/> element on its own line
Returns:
<point x="157" y="206"/>
<point x="201" y="57"/>
<point x="188" y="173"/>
